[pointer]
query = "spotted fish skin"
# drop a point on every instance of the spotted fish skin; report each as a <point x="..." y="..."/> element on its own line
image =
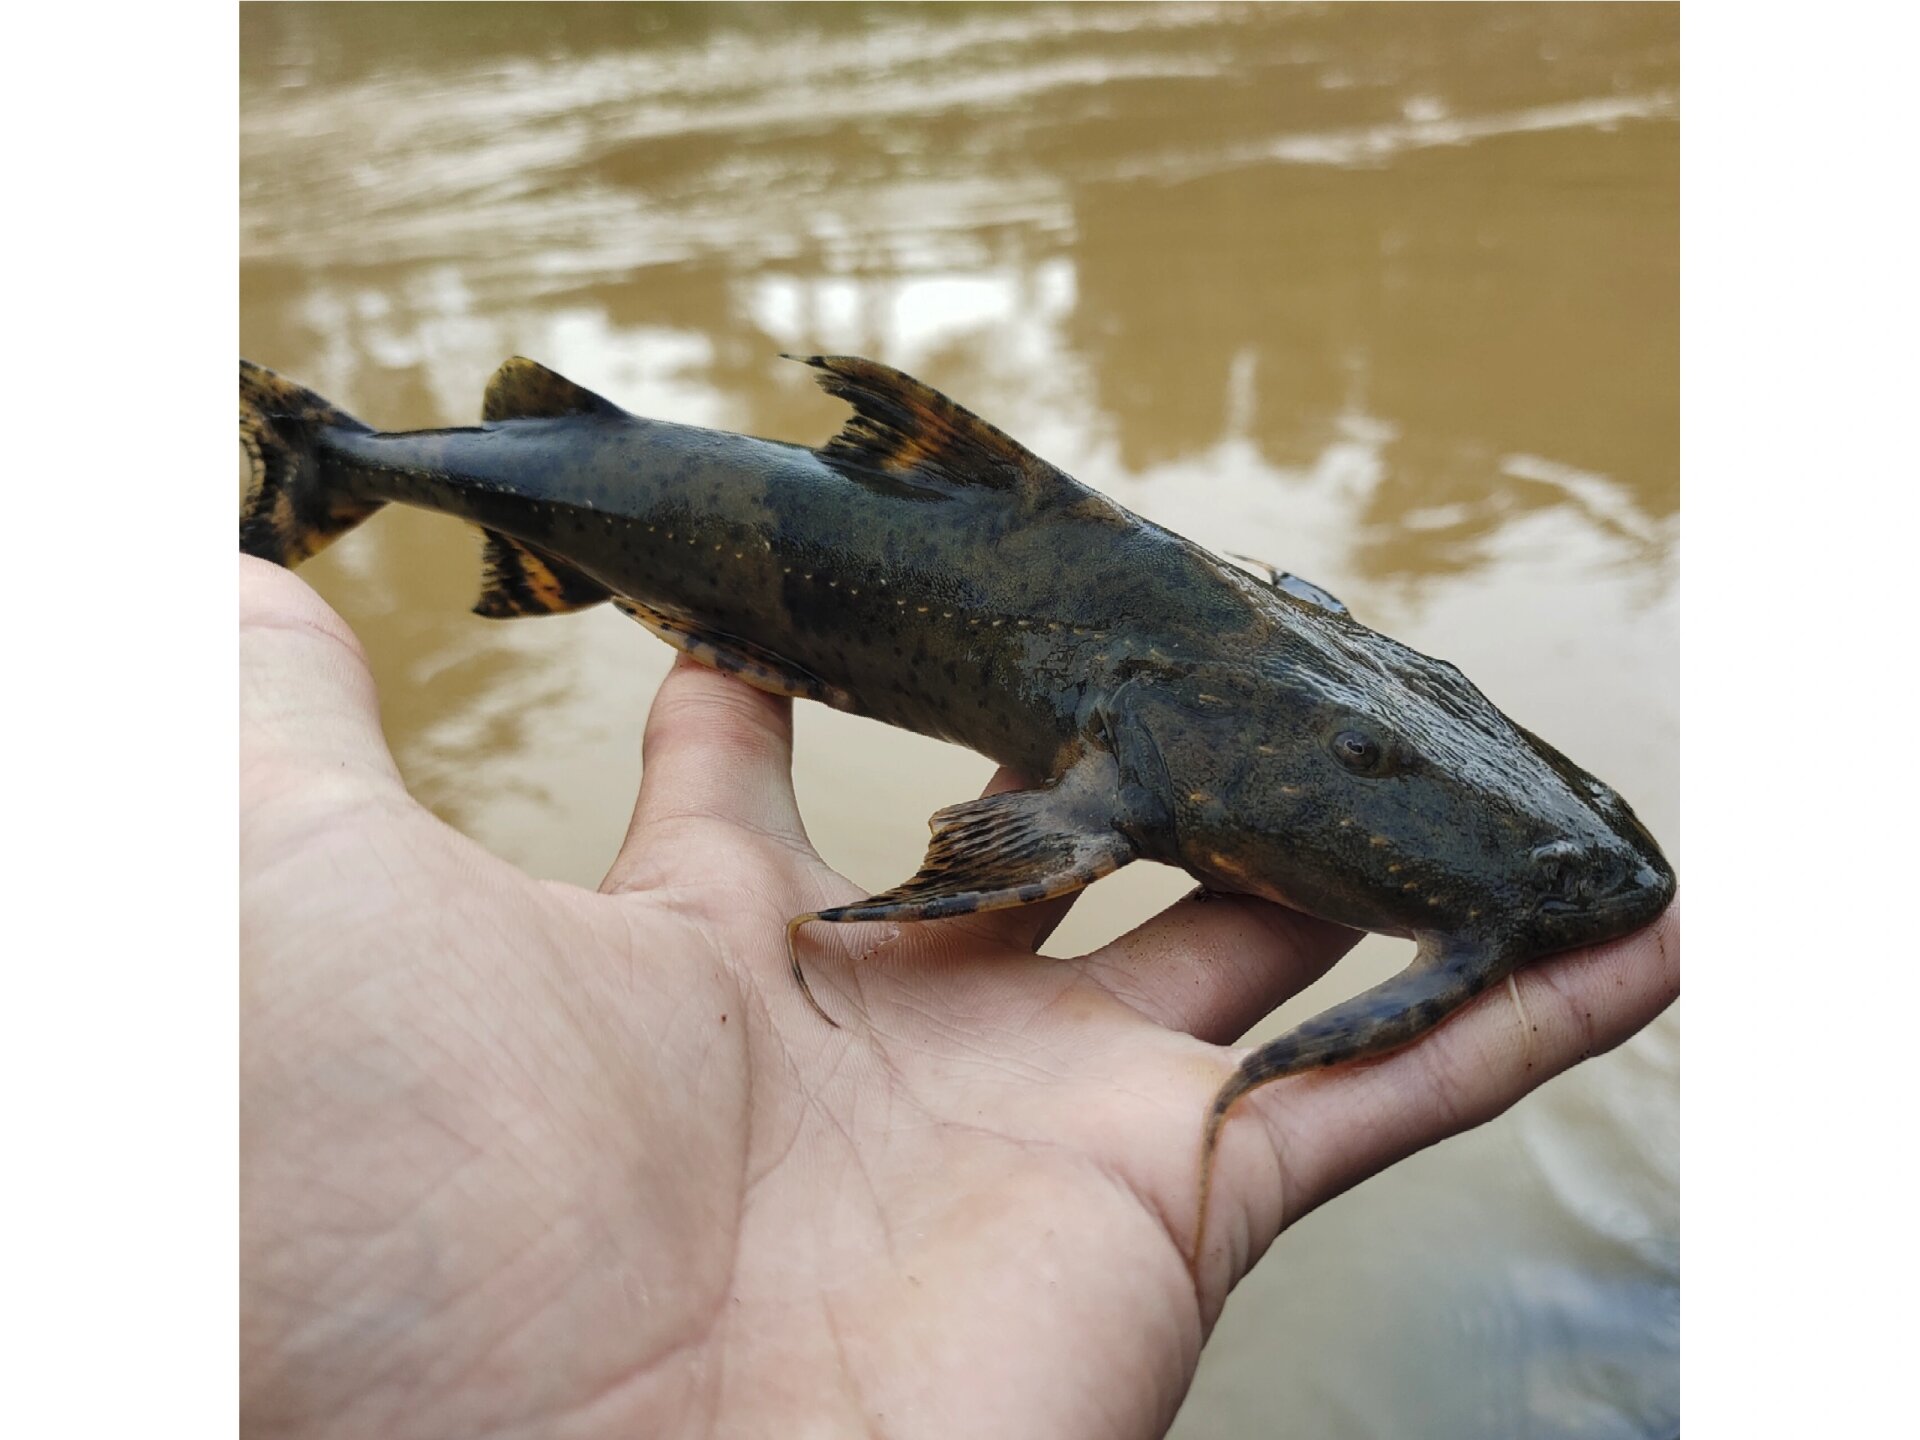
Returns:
<point x="926" y="570"/>
<point x="945" y="607"/>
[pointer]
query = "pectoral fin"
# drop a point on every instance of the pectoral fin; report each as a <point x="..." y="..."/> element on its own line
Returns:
<point x="1393" y="1013"/>
<point x="1010" y="849"/>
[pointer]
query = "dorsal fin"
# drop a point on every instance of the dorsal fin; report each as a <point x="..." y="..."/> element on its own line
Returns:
<point x="521" y="389"/>
<point x="910" y="431"/>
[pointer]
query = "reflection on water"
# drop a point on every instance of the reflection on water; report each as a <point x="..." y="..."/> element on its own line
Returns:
<point x="1386" y="295"/>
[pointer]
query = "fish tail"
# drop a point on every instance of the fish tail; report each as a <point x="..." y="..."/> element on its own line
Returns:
<point x="1393" y="1013"/>
<point x="296" y="502"/>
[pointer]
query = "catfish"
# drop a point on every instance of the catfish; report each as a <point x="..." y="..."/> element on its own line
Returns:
<point x="924" y="569"/>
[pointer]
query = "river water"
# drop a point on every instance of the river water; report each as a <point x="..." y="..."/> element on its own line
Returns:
<point x="1386" y="295"/>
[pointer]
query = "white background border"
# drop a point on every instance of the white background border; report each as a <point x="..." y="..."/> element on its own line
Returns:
<point x="1799" y="473"/>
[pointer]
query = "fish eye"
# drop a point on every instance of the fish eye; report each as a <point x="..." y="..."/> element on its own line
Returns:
<point x="1360" y="752"/>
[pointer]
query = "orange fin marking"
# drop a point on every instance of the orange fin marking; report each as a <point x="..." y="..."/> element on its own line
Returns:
<point x="909" y="431"/>
<point x="522" y="581"/>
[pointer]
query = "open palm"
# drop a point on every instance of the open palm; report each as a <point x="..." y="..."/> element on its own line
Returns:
<point x="523" y="1159"/>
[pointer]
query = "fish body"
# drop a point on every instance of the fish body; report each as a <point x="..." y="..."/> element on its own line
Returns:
<point x="924" y="569"/>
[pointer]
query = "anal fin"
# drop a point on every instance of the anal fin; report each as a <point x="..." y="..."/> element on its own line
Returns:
<point x="522" y="581"/>
<point x="759" y="667"/>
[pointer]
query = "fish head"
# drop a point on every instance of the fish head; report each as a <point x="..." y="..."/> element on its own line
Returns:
<point x="1351" y="777"/>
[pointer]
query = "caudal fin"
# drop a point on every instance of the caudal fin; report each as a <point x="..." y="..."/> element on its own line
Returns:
<point x="294" y="505"/>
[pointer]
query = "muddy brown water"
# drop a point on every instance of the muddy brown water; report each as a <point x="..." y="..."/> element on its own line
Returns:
<point x="1387" y="295"/>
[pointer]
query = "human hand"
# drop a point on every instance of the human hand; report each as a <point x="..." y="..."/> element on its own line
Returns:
<point x="519" y="1158"/>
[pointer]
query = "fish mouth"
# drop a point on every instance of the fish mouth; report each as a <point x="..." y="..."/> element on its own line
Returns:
<point x="1592" y="909"/>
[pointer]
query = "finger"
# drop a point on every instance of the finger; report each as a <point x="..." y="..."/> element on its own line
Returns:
<point x="1334" y="1128"/>
<point x="715" y="749"/>
<point x="1214" y="965"/>
<point x="309" y="715"/>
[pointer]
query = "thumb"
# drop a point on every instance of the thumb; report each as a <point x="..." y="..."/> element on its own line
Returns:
<point x="716" y="749"/>
<point x="309" y="717"/>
